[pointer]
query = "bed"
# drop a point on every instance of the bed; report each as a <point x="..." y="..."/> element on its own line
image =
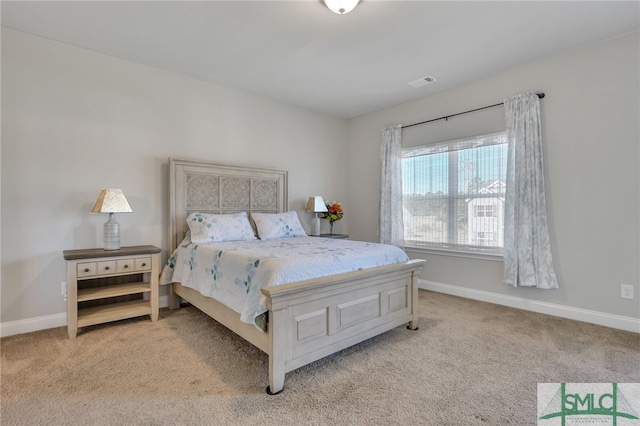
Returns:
<point x="305" y="320"/>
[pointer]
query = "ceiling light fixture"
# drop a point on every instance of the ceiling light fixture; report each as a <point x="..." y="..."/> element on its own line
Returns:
<point x="341" y="6"/>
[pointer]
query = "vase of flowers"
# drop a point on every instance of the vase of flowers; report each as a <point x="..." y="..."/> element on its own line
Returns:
<point x="334" y="213"/>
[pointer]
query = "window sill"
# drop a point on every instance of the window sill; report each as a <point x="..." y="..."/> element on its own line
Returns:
<point x="456" y="252"/>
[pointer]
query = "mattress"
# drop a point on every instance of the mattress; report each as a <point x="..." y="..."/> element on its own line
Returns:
<point x="234" y="272"/>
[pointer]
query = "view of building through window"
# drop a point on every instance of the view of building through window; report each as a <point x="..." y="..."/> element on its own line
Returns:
<point x="453" y="193"/>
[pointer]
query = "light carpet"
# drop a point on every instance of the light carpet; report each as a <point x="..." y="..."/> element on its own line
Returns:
<point x="470" y="363"/>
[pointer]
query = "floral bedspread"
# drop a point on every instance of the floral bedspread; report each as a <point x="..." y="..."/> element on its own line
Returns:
<point x="234" y="272"/>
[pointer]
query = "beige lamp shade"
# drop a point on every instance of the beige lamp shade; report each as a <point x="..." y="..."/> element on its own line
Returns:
<point x="111" y="200"/>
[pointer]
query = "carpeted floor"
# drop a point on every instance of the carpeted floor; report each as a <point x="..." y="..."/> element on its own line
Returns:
<point x="470" y="363"/>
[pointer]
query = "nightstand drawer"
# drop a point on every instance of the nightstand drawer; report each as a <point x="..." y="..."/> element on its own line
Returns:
<point x="105" y="268"/>
<point x="127" y="265"/>
<point x="87" y="269"/>
<point x="143" y="264"/>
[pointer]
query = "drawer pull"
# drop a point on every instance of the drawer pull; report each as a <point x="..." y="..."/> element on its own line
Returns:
<point x="144" y="264"/>
<point x="106" y="268"/>
<point x="86" y="269"/>
<point x="126" y="266"/>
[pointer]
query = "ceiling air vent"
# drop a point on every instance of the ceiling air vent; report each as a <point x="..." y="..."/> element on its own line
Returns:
<point x="422" y="81"/>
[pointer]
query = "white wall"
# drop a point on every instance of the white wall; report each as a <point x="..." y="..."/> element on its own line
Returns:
<point x="74" y="121"/>
<point x="591" y="146"/>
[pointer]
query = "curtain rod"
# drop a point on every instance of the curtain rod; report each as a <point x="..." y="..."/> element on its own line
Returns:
<point x="446" y="117"/>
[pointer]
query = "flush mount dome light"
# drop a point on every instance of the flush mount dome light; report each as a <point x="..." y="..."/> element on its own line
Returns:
<point x="341" y="6"/>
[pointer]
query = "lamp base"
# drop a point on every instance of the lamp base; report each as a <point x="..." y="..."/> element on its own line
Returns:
<point x="111" y="233"/>
<point x="316" y="226"/>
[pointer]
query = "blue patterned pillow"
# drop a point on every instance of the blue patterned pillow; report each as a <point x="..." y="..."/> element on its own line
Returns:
<point x="278" y="225"/>
<point x="210" y="228"/>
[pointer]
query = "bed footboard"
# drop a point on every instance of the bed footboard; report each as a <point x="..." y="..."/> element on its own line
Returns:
<point x="312" y="319"/>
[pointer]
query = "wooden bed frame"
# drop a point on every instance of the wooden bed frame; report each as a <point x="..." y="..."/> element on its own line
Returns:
<point x="307" y="320"/>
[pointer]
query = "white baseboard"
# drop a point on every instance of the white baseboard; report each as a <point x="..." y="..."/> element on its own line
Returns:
<point x="48" y="321"/>
<point x="594" y="317"/>
<point x="33" y="324"/>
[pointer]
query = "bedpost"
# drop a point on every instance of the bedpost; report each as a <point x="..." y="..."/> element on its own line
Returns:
<point x="280" y="339"/>
<point x="276" y="376"/>
<point x="413" y="324"/>
<point x="174" y="299"/>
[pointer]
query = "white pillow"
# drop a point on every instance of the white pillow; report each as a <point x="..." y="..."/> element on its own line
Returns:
<point x="210" y="228"/>
<point x="278" y="225"/>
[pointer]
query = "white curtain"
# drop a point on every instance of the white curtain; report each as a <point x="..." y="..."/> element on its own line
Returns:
<point x="527" y="251"/>
<point x="391" y="227"/>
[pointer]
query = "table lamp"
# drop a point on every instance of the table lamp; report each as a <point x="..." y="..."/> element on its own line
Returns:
<point x="316" y="205"/>
<point x="111" y="200"/>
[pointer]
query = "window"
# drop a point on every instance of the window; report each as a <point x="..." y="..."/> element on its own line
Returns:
<point x="485" y="238"/>
<point x="453" y="194"/>
<point x="483" y="211"/>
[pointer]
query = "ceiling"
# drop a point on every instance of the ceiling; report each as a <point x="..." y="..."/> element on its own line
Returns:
<point x="301" y="53"/>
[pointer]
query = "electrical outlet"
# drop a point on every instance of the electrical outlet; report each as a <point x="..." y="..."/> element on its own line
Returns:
<point x="64" y="290"/>
<point x="626" y="291"/>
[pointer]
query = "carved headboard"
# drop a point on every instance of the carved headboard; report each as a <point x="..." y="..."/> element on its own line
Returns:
<point x="200" y="186"/>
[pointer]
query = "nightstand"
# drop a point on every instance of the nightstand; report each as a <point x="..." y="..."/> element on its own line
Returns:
<point x="110" y="285"/>
<point x="337" y="236"/>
